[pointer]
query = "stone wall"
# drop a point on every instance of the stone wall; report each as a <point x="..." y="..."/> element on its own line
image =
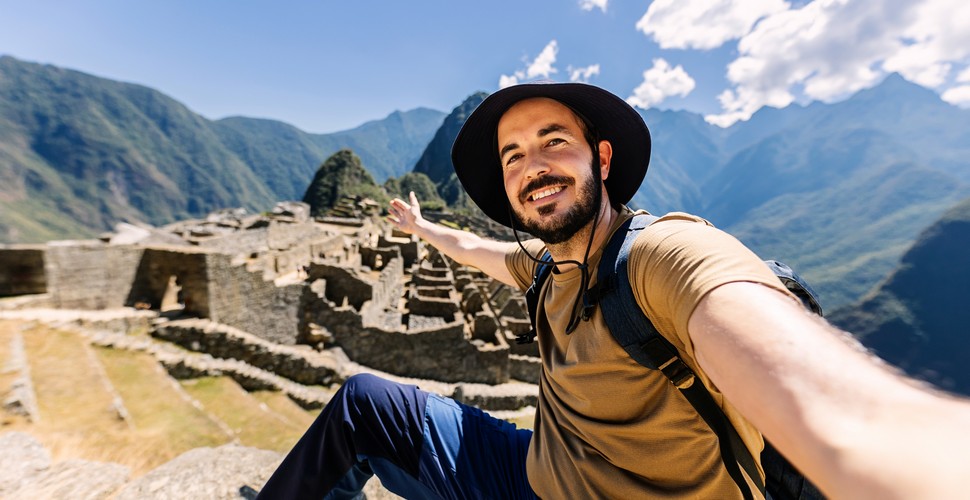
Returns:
<point x="377" y="258"/>
<point x="284" y="236"/>
<point x="273" y="235"/>
<point x="343" y="284"/>
<point x="424" y="305"/>
<point x="246" y="242"/>
<point x="90" y="274"/>
<point x="441" y="353"/>
<point x="525" y="368"/>
<point x="334" y="248"/>
<point x="290" y="260"/>
<point x="22" y="270"/>
<point x="438" y="353"/>
<point x="386" y="292"/>
<point x="299" y="364"/>
<point x="410" y="247"/>
<point x="243" y="299"/>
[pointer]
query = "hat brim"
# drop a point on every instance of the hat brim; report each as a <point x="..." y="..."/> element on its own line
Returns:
<point x="475" y="151"/>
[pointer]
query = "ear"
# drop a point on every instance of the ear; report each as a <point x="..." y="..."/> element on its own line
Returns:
<point x="606" y="157"/>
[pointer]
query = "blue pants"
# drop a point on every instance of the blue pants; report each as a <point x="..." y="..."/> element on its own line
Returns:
<point x="419" y="444"/>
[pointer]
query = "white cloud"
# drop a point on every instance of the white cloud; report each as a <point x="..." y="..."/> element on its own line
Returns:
<point x="507" y="81"/>
<point x="591" y="4"/>
<point x="938" y="35"/>
<point x="958" y="96"/>
<point x="660" y="82"/>
<point x="964" y="76"/>
<point x="583" y="74"/>
<point x="832" y="48"/>
<point x="703" y="24"/>
<point x="542" y="66"/>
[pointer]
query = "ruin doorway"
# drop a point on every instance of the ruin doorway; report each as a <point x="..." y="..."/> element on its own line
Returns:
<point x="172" y="299"/>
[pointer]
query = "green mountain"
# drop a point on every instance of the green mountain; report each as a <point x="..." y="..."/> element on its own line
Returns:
<point x="80" y="153"/>
<point x="685" y="152"/>
<point x="917" y="318"/>
<point x="435" y="161"/>
<point x="840" y="191"/>
<point x="341" y="175"/>
<point x="391" y="146"/>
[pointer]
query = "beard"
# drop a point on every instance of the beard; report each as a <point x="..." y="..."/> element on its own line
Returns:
<point x="589" y="196"/>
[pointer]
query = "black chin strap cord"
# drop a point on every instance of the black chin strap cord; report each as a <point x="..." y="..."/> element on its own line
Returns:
<point x="582" y="296"/>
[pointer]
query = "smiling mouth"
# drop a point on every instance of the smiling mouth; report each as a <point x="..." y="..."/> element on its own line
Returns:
<point x="545" y="193"/>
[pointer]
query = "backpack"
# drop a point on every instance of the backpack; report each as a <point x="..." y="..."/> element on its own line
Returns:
<point x="641" y="340"/>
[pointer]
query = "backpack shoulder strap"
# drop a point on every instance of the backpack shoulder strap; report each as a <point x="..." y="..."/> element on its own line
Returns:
<point x="796" y="285"/>
<point x="641" y="340"/>
<point x="543" y="269"/>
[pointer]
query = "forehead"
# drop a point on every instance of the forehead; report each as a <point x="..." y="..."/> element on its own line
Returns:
<point x="530" y="115"/>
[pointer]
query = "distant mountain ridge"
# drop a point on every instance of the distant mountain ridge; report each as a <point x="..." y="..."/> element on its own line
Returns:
<point x="80" y="153"/>
<point x="838" y="190"/>
<point x="843" y="189"/>
<point x="918" y="317"/>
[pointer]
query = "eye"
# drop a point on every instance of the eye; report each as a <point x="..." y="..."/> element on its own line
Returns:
<point x="555" y="141"/>
<point x="512" y="159"/>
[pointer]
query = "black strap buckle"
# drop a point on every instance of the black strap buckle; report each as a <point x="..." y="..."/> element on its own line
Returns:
<point x="526" y="338"/>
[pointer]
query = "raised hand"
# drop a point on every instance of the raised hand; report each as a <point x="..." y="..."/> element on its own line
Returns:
<point x="405" y="216"/>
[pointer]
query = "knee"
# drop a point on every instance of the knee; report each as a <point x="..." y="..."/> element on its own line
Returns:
<point x="369" y="391"/>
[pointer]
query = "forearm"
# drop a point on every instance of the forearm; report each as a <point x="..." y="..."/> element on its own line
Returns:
<point x="849" y="423"/>
<point x="465" y="247"/>
<point x="468" y="248"/>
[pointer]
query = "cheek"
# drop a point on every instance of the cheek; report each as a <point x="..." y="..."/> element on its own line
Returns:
<point x="511" y="186"/>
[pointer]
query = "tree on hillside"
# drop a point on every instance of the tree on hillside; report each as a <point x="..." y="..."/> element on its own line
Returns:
<point x="341" y="175"/>
<point x="456" y="197"/>
<point x="422" y="186"/>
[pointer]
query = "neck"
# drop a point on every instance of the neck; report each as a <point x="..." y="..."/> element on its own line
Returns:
<point x="575" y="247"/>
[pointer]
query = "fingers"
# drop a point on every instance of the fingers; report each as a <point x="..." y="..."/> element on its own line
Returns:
<point x="400" y="204"/>
<point x="397" y="212"/>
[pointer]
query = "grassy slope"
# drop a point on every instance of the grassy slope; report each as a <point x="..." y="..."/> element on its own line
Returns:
<point x="76" y="385"/>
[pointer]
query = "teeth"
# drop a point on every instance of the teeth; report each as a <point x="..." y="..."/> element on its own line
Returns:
<point x="548" y="192"/>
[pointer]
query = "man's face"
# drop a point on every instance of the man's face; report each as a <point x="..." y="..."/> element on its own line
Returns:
<point x="549" y="169"/>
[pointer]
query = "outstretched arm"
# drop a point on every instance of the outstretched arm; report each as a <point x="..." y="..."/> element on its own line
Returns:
<point x="463" y="246"/>
<point x="851" y="424"/>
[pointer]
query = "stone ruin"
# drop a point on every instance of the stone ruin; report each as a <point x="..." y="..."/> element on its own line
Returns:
<point x="255" y="289"/>
<point x="281" y="301"/>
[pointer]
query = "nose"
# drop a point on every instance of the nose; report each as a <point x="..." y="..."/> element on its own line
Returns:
<point x="535" y="167"/>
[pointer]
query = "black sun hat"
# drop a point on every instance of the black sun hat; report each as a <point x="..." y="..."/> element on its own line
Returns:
<point x="475" y="152"/>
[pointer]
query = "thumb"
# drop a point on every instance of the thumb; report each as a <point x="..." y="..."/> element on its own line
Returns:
<point x="413" y="198"/>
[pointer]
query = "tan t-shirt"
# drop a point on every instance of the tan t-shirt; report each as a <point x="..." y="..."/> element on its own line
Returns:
<point x="606" y="427"/>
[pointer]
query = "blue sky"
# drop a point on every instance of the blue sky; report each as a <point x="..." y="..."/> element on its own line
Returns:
<point x="325" y="65"/>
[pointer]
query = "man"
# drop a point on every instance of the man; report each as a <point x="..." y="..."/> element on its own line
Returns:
<point x="567" y="157"/>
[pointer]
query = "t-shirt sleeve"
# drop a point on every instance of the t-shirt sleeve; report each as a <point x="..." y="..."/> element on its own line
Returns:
<point x="520" y="265"/>
<point x="678" y="260"/>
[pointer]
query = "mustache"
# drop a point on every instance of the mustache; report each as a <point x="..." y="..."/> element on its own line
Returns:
<point x="542" y="182"/>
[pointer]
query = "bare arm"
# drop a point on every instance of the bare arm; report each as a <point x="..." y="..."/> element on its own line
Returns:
<point x="463" y="246"/>
<point x="851" y="424"/>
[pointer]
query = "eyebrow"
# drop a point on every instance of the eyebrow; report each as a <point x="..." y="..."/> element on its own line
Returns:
<point x="549" y="129"/>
